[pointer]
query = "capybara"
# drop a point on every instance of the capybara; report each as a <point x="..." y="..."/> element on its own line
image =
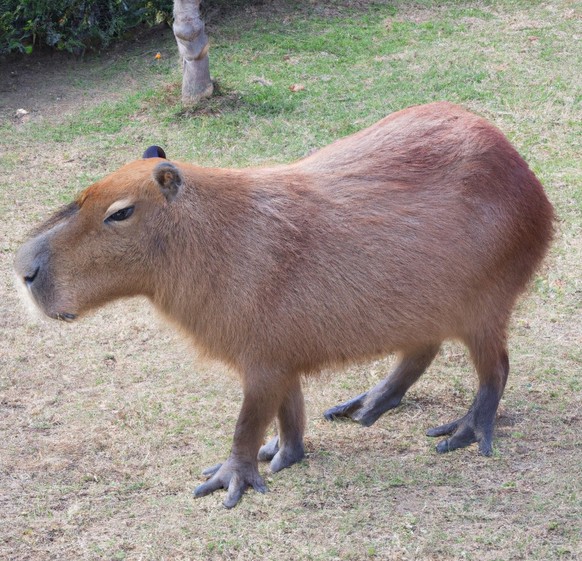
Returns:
<point x="425" y="226"/>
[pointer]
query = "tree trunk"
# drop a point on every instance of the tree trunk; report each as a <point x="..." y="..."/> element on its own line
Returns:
<point x="193" y="46"/>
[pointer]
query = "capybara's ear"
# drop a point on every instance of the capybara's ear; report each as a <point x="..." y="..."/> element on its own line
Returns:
<point x="169" y="179"/>
<point x="154" y="152"/>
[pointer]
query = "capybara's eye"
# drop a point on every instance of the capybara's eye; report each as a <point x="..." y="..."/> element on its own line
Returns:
<point x="120" y="215"/>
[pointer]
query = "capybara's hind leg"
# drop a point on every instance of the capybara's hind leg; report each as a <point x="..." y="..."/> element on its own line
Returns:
<point x="477" y="425"/>
<point x="286" y="448"/>
<point x="368" y="407"/>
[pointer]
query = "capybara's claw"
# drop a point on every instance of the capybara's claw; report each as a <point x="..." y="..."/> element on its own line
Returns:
<point x="464" y="432"/>
<point x="236" y="478"/>
<point x="209" y="472"/>
<point x="442" y="430"/>
<point x="346" y="409"/>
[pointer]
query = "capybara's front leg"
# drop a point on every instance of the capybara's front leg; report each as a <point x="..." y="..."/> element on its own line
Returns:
<point x="240" y="470"/>
<point x="287" y="448"/>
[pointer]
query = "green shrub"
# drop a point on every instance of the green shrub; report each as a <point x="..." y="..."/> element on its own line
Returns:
<point x="73" y="25"/>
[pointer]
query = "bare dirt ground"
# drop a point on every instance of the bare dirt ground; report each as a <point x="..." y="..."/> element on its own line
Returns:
<point x="106" y="424"/>
<point x="52" y="85"/>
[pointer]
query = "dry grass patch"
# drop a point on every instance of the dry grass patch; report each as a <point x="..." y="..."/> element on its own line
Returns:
<point x="106" y="424"/>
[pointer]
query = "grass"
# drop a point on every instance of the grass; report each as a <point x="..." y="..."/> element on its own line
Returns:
<point x="106" y="424"/>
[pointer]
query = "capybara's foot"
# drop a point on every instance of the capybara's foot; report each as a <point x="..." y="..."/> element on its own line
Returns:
<point x="463" y="432"/>
<point x="282" y="457"/>
<point x="345" y="410"/>
<point x="365" y="409"/>
<point x="287" y="456"/>
<point x="267" y="451"/>
<point x="234" y="476"/>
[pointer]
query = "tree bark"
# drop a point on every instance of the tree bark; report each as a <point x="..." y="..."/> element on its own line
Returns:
<point x="193" y="47"/>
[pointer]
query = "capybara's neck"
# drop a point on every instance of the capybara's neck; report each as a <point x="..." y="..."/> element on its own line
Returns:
<point x="231" y="233"/>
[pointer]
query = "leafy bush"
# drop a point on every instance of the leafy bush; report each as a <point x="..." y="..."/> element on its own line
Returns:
<point x="73" y="25"/>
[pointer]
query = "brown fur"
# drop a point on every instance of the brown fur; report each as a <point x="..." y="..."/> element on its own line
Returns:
<point x="423" y="227"/>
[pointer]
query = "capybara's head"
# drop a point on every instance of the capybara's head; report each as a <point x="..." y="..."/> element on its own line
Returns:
<point x="101" y="246"/>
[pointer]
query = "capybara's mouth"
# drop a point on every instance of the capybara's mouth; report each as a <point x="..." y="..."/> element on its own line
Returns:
<point x="64" y="316"/>
<point x="36" y="287"/>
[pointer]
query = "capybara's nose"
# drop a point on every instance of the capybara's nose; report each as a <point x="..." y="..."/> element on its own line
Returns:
<point x="29" y="279"/>
<point x="32" y="261"/>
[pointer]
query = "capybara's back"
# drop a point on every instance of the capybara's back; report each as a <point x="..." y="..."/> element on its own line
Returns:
<point x="423" y="227"/>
